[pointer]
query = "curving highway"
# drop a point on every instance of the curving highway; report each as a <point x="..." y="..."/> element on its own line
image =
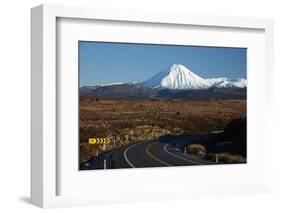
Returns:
<point x="153" y="154"/>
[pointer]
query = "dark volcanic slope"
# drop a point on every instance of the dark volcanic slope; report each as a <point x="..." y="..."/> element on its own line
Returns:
<point x="139" y="91"/>
<point x="220" y="93"/>
<point x="236" y="133"/>
<point x="120" y="90"/>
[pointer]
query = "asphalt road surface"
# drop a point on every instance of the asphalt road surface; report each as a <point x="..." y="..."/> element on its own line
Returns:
<point x="153" y="154"/>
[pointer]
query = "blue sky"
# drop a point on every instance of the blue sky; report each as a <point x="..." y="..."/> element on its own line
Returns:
<point x="101" y="62"/>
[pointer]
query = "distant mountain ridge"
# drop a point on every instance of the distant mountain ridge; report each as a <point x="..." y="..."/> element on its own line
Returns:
<point x="138" y="91"/>
<point x="227" y="82"/>
<point x="175" y="82"/>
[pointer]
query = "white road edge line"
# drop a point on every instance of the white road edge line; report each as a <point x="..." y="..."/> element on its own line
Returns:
<point x="165" y="149"/>
<point x="125" y="154"/>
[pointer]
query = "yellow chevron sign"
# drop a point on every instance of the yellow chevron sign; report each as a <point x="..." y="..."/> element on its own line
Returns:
<point x="99" y="140"/>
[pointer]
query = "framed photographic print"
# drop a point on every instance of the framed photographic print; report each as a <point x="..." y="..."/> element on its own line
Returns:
<point x="173" y="118"/>
<point x="148" y="105"/>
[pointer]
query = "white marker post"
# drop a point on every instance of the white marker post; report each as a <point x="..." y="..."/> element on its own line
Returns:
<point x="104" y="164"/>
<point x="185" y="150"/>
<point x="126" y="137"/>
<point x="217" y="158"/>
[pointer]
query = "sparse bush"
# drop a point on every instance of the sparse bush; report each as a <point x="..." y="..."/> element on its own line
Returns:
<point x="197" y="149"/>
<point x="226" y="157"/>
<point x="231" y="158"/>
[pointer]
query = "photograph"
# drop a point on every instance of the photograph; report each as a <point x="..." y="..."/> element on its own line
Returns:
<point x="161" y="105"/>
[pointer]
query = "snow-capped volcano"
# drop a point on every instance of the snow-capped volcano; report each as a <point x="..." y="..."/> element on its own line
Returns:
<point x="177" y="76"/>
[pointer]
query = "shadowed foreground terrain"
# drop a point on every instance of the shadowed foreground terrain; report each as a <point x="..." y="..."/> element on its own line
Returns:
<point x="131" y="121"/>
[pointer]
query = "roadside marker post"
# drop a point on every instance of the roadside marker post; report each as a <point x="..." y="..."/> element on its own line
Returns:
<point x="104" y="164"/>
<point x="127" y="137"/>
<point x="217" y="158"/>
<point x="185" y="150"/>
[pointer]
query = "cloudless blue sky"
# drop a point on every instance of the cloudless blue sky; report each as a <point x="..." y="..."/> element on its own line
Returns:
<point x="101" y="63"/>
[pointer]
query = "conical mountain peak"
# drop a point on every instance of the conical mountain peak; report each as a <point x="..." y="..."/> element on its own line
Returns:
<point x="177" y="76"/>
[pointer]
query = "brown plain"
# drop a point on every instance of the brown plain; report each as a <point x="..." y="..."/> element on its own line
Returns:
<point x="107" y="116"/>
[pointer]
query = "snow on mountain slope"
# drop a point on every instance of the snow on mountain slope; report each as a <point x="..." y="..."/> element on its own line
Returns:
<point x="227" y="82"/>
<point x="117" y="83"/>
<point x="111" y="84"/>
<point x="177" y="76"/>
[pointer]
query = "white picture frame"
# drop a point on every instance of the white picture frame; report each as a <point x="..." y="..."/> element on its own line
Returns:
<point x="44" y="154"/>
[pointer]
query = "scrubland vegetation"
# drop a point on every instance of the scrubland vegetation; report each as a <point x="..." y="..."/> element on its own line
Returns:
<point x="143" y="119"/>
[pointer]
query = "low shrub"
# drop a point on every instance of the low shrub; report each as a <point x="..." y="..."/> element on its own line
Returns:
<point x="231" y="158"/>
<point x="226" y="157"/>
<point x="197" y="149"/>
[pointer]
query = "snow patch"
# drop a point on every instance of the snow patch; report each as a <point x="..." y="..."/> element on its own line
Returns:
<point x="227" y="82"/>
